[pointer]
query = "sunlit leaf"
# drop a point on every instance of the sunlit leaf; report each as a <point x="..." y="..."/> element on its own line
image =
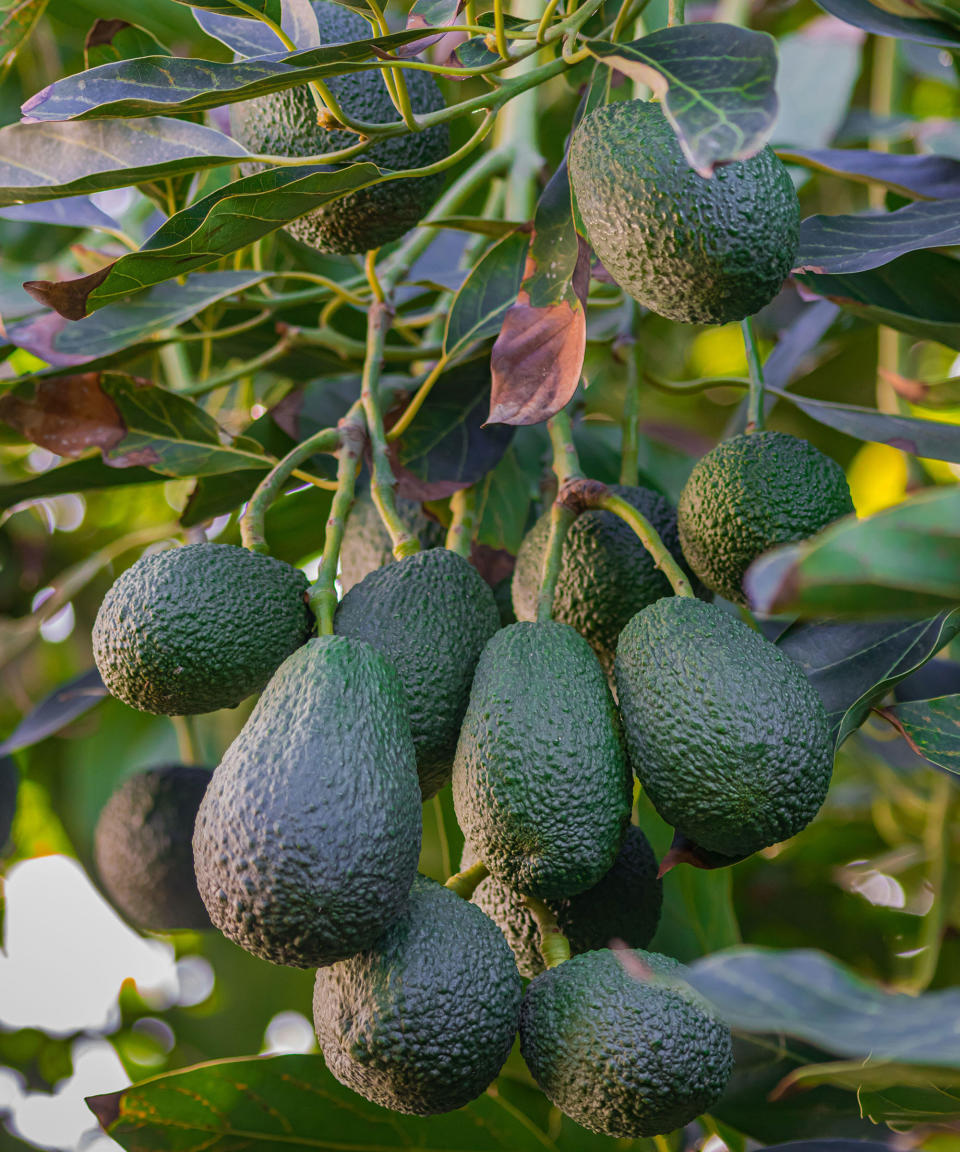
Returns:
<point x="18" y="18"/>
<point x="931" y="728"/>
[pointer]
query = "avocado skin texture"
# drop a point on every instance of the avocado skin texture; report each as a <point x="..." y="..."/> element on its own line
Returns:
<point x="727" y="736"/>
<point x="366" y="543"/>
<point x="750" y="494"/>
<point x="143" y="848"/>
<point x="621" y="1055"/>
<point x="625" y="905"/>
<point x="541" y="785"/>
<point x="704" y="251"/>
<point x="308" y="837"/>
<point x="199" y="628"/>
<point x="285" y="124"/>
<point x="430" y="615"/>
<point x="606" y="574"/>
<point x="422" y="1021"/>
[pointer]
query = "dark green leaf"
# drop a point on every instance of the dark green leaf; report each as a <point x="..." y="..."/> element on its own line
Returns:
<point x="244" y="37"/>
<point x="904" y="560"/>
<point x="271" y="8"/>
<point x="716" y="82"/>
<point x="484" y="297"/>
<point x="503" y="504"/>
<point x="56" y="711"/>
<point x="46" y="161"/>
<point x="930" y="177"/>
<point x="18" y="18"/>
<point x="872" y="18"/>
<point x="853" y="665"/>
<point x="112" y="40"/>
<point x="78" y="476"/>
<point x="931" y="727"/>
<point x="835" y="245"/>
<point x="70" y="212"/>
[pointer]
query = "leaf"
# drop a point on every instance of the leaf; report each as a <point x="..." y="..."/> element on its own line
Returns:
<point x="902" y="561"/>
<point x="299" y="21"/>
<point x="46" y="161"/>
<point x="432" y="13"/>
<point x="70" y="212"/>
<point x="930" y="727"/>
<point x="503" y="504"/>
<point x="56" y="711"/>
<point x="716" y="83"/>
<point x="244" y="37"/>
<point x="817" y="70"/>
<point x="111" y="40"/>
<point x="871" y="18"/>
<point x="856" y="243"/>
<point x="479" y="306"/>
<point x="853" y="665"/>
<point x="270" y="8"/>
<point x="538" y="356"/>
<point x="18" y="18"/>
<point x="930" y="177"/>
<point x="78" y="476"/>
<point x="273" y="1102"/>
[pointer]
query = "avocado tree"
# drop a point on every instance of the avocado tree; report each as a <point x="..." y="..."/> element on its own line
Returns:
<point x="517" y="451"/>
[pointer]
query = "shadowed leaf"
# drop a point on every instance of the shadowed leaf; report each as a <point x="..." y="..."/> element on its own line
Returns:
<point x="112" y="40"/>
<point x="872" y="18"/>
<point x="929" y="177"/>
<point x="244" y="37"/>
<point x="56" y="711"/>
<point x="70" y="212"/>
<point x="930" y="727"/>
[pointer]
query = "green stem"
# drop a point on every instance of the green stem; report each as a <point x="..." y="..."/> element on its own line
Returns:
<point x="188" y="739"/>
<point x="675" y="12"/>
<point x="348" y="348"/>
<point x="463" y="505"/>
<point x="630" y="417"/>
<point x="465" y="883"/>
<point x="323" y="594"/>
<point x="176" y="367"/>
<point x="554" y="946"/>
<point x="417" y="401"/>
<point x="245" y="368"/>
<point x="566" y="463"/>
<point x="252" y="532"/>
<point x="649" y="538"/>
<point x="566" y="466"/>
<point x="936" y="842"/>
<point x="755" y="405"/>
<point x="442" y="837"/>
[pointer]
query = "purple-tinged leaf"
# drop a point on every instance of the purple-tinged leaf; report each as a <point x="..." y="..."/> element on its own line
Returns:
<point x="928" y="177"/>
<point x="872" y="18"/>
<point x="69" y="212"/>
<point x="56" y="711"/>
<point x="247" y="38"/>
<point x="930" y="727"/>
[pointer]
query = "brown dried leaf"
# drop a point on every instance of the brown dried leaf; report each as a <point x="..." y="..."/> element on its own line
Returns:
<point x="68" y="297"/>
<point x="67" y="415"/>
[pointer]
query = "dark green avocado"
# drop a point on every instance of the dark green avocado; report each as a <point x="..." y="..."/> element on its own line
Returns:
<point x="750" y="494"/>
<point x="423" y="1020"/>
<point x="541" y="785"/>
<point x="308" y="837"/>
<point x="704" y="251"/>
<point x="199" y="628"/>
<point x="624" y="906"/>
<point x="143" y="847"/>
<point x="627" y="1053"/>
<point x="366" y="543"/>
<point x="430" y="614"/>
<point x="285" y="124"/>
<point x="606" y="574"/>
<point x="727" y="736"/>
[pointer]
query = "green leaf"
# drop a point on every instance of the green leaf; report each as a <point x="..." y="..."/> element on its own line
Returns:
<point x="85" y="475"/>
<point x="269" y="8"/>
<point x="112" y="40"/>
<point x="273" y="1102"/>
<point x="46" y="161"/>
<point x="872" y="18"/>
<point x="931" y="728"/>
<point x="241" y="35"/>
<point x="503" y="504"/>
<point x="904" y="560"/>
<point x="716" y="82"/>
<point x="479" y="306"/>
<point x="18" y="18"/>
<point x="930" y="177"/>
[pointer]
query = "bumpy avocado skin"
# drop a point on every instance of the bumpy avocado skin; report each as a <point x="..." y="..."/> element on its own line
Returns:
<point x="625" y="906"/>
<point x="704" y="251"/>
<point x="307" y="839"/>
<point x="199" y="628"/>
<point x="366" y="543"/>
<point x="430" y="614"/>
<point x="541" y="785"/>
<point x="750" y="494"/>
<point x="619" y="1054"/>
<point x="606" y="574"/>
<point x="422" y="1021"/>
<point x="143" y="847"/>
<point x="285" y="124"/>
<point x="727" y="736"/>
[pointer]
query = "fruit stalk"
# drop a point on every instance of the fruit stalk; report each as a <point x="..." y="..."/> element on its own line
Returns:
<point x="630" y="443"/>
<point x="466" y="882"/>
<point x="463" y="505"/>
<point x="566" y="466"/>
<point x="554" y="946"/>
<point x="755" y="402"/>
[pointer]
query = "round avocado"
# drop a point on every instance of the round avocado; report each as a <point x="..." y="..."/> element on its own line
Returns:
<point x="366" y="543"/>
<point x="704" y="251"/>
<point x="285" y="124"/>
<point x="750" y="494"/>
<point x="199" y="628"/>
<point x="624" y="1055"/>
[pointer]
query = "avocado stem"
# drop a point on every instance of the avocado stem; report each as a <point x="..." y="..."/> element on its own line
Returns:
<point x="554" y="946"/>
<point x="675" y="12"/>
<point x="566" y="467"/>
<point x="188" y="739"/>
<point x="755" y="405"/>
<point x="649" y="538"/>
<point x="465" y="883"/>
<point x="629" y="349"/>
<point x="463" y="505"/>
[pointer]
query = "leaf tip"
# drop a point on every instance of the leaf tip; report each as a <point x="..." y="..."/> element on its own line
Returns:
<point x="106" y="1108"/>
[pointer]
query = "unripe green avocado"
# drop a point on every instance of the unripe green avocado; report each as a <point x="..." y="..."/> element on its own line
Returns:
<point x="308" y="837"/>
<point x="704" y="251"/>
<point x="625" y="906"/>
<point x="430" y="615"/>
<point x="285" y="124"/>
<point x="199" y="628"/>
<point x="541" y="785"/>
<point x="727" y="736"/>
<point x="423" y="1020"/>
<point x="366" y="543"/>
<point x="606" y="574"/>
<point x="621" y="1053"/>
<point x="750" y="494"/>
<point x="143" y="847"/>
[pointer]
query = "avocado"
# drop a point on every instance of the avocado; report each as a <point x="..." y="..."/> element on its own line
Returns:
<point x="285" y="124"/>
<point x="541" y="785"/>
<point x="366" y="543"/>
<point x="308" y="837"/>
<point x="606" y="574"/>
<point x="625" y="906"/>
<point x="199" y="628"/>
<point x="750" y="494"/>
<point x="704" y="251"/>
<point x="621" y="1052"/>
<point x="143" y="848"/>
<point x="9" y="786"/>
<point x="423" y="1020"/>
<point x="430" y="615"/>
<point x="727" y="736"/>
